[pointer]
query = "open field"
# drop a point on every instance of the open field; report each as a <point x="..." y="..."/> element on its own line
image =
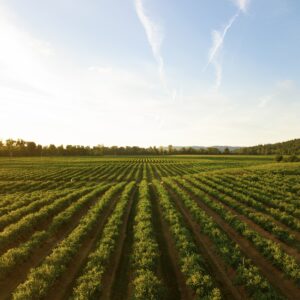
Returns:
<point x="171" y="227"/>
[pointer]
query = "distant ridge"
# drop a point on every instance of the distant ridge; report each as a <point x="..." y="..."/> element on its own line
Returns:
<point x="221" y="148"/>
<point x="288" y="148"/>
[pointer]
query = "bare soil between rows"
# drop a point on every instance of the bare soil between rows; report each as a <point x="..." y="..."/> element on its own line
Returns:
<point x="19" y="274"/>
<point x="285" y="286"/>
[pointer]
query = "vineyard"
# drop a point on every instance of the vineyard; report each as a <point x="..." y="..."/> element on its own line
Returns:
<point x="169" y="227"/>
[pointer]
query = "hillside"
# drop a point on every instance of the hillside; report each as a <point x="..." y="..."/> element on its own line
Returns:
<point x="288" y="147"/>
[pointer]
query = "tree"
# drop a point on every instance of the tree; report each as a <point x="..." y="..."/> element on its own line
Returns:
<point x="170" y="149"/>
<point x="10" y="146"/>
<point x="52" y="149"/>
<point x="161" y="150"/>
<point x="213" y="150"/>
<point x="31" y="148"/>
<point x="226" y="151"/>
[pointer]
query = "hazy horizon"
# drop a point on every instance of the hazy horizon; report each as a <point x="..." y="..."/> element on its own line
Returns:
<point x="140" y="72"/>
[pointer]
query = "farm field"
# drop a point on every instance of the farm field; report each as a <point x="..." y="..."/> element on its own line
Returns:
<point x="169" y="227"/>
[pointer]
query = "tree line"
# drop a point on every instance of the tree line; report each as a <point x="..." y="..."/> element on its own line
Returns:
<point x="15" y="148"/>
<point x="291" y="147"/>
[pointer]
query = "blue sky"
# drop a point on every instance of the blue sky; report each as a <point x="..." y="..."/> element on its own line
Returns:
<point x="150" y="72"/>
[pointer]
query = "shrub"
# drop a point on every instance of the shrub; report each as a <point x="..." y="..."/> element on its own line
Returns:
<point x="278" y="157"/>
<point x="292" y="158"/>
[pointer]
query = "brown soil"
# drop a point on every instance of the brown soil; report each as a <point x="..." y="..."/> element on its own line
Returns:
<point x="62" y="287"/>
<point x="162" y="171"/>
<point x="173" y="277"/>
<point x="223" y="275"/>
<point x="179" y="170"/>
<point x="113" y="270"/>
<point x="156" y="175"/>
<point x="124" y="173"/>
<point x="278" y="280"/>
<point x="41" y="225"/>
<point x="167" y="270"/>
<point x="277" y="222"/>
<point x="119" y="288"/>
<point x="20" y="272"/>
<point x="256" y="227"/>
<point x="140" y="174"/>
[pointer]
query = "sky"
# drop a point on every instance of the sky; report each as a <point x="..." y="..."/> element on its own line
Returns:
<point x="150" y="72"/>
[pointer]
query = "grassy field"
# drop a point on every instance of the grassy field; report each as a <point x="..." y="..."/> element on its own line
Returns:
<point x="173" y="227"/>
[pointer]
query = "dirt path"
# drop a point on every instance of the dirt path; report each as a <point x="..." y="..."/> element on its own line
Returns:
<point x="149" y="177"/>
<point x="161" y="170"/>
<point x="256" y="210"/>
<point x="22" y="269"/>
<point x="62" y="286"/>
<point x="156" y="175"/>
<point x="223" y="274"/>
<point x="173" y="277"/>
<point x="167" y="269"/>
<point x="122" y="176"/>
<point x="119" y="287"/>
<point x="256" y="227"/>
<point x="113" y="270"/>
<point x="271" y="273"/>
<point x="41" y="225"/>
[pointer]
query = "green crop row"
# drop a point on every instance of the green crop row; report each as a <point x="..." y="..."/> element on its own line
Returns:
<point x="281" y="216"/>
<point x="262" y="194"/>
<point x="236" y="201"/>
<point x="27" y="224"/>
<point x="247" y="273"/>
<point x="145" y="252"/>
<point x="16" y="255"/>
<point x="41" y="278"/>
<point x="89" y="283"/>
<point x="267" y="247"/>
<point x="191" y="263"/>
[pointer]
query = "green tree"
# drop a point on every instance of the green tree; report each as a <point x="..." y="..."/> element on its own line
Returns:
<point x="226" y="151"/>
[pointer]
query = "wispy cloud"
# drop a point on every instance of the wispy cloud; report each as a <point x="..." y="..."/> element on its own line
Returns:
<point x="155" y="38"/>
<point x="242" y="4"/>
<point x="218" y="37"/>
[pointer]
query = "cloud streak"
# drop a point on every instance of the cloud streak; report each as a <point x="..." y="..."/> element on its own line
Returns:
<point x="218" y="38"/>
<point x="242" y="4"/>
<point x="155" y="38"/>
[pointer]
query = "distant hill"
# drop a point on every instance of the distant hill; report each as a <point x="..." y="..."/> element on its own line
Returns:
<point x="220" y="148"/>
<point x="288" y="147"/>
<point x="231" y="148"/>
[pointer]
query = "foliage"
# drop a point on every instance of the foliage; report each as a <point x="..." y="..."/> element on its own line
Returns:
<point x="41" y="278"/>
<point x="50" y="207"/>
<point x="145" y="253"/>
<point x="284" y="148"/>
<point x="191" y="262"/>
<point x="267" y="247"/>
<point x="89" y="283"/>
<point x="246" y="273"/>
